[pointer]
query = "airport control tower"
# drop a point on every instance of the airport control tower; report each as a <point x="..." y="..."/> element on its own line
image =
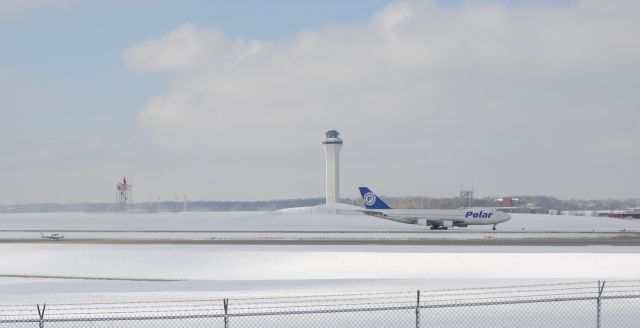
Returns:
<point x="332" y="146"/>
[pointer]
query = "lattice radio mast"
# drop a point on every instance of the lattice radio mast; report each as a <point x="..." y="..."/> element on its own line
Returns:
<point x="124" y="194"/>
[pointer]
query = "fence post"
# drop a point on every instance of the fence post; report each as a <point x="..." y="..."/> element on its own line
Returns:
<point x="599" y="301"/>
<point x="225" y="302"/>
<point x="41" y="314"/>
<point x="418" y="309"/>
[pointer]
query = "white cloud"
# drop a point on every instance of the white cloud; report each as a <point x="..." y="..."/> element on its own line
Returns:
<point x="189" y="47"/>
<point x="485" y="85"/>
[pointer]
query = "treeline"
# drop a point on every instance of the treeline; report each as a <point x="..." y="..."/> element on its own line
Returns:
<point x="163" y="206"/>
<point x="542" y="203"/>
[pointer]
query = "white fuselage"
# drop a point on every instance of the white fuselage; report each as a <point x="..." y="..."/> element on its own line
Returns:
<point x="53" y="236"/>
<point x="457" y="217"/>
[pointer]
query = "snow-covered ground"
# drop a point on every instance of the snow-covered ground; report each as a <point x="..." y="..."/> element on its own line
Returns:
<point x="243" y="268"/>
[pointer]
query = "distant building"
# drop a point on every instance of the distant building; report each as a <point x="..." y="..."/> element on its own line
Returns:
<point x="630" y="213"/>
<point x="512" y="205"/>
<point x="508" y="201"/>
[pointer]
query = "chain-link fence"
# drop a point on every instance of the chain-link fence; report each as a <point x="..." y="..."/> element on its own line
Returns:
<point x="583" y="304"/>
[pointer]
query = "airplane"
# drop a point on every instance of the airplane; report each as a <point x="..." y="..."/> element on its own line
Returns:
<point x="436" y="219"/>
<point x="53" y="236"/>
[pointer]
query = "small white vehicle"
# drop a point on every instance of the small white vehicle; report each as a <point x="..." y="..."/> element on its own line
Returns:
<point x="53" y="236"/>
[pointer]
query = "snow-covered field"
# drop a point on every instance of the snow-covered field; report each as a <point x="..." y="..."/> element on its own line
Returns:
<point x="63" y="272"/>
<point x="244" y="268"/>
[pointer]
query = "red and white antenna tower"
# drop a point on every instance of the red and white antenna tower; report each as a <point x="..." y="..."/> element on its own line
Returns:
<point x="124" y="194"/>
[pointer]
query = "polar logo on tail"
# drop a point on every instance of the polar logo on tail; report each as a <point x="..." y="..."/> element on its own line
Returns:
<point x="369" y="199"/>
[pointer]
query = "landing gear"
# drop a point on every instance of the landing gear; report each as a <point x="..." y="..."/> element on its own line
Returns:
<point x="438" y="227"/>
<point x="494" y="227"/>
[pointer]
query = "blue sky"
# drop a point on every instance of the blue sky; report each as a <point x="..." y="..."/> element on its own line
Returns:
<point x="230" y="99"/>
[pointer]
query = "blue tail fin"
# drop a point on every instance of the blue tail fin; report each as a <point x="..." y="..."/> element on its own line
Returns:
<point x="371" y="200"/>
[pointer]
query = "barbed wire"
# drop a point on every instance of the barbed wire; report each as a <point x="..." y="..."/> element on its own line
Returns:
<point x="585" y="282"/>
<point x="331" y="301"/>
<point x="424" y="292"/>
<point x="323" y="295"/>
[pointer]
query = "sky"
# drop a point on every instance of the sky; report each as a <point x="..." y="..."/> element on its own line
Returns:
<point x="229" y="100"/>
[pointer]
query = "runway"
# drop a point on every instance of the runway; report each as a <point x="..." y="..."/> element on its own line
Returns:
<point x="343" y="238"/>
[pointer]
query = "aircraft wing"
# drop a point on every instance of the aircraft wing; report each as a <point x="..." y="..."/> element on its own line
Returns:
<point x="397" y="218"/>
<point x="414" y="218"/>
